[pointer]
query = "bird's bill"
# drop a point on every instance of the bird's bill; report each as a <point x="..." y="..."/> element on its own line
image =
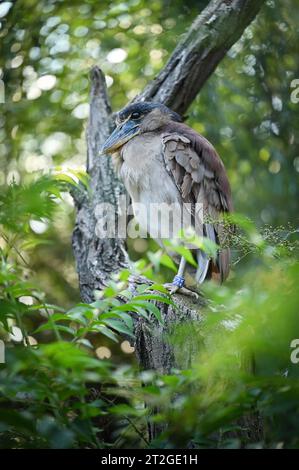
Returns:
<point x="120" y="136"/>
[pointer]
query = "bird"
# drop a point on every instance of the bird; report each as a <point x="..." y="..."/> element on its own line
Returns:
<point x="161" y="160"/>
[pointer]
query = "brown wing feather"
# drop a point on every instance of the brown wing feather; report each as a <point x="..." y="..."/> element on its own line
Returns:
<point x="200" y="177"/>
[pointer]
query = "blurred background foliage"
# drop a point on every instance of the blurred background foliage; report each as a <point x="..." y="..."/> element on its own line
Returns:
<point x="245" y="109"/>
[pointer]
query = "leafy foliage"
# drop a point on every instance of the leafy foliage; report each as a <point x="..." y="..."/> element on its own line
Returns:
<point x="56" y="393"/>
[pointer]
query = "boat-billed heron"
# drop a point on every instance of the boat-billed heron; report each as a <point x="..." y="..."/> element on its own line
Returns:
<point x="162" y="160"/>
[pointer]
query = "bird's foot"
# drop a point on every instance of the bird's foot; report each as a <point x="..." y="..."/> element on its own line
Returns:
<point x="177" y="286"/>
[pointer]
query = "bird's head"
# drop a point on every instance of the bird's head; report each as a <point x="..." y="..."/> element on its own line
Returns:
<point x="135" y="119"/>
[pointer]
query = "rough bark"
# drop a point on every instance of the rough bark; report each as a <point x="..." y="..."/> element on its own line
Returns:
<point x="97" y="258"/>
<point x="212" y="33"/>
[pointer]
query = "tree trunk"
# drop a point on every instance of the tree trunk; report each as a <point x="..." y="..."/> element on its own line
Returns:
<point x="196" y="56"/>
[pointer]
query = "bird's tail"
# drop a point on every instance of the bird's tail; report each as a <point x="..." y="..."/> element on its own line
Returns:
<point x="203" y="260"/>
<point x="223" y="263"/>
<point x="208" y="267"/>
<point x="216" y="269"/>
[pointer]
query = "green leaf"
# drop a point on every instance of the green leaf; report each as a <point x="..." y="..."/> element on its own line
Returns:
<point x="49" y="326"/>
<point x="167" y="261"/>
<point x="65" y="178"/>
<point x="150" y="307"/>
<point x="126" y="410"/>
<point x="119" y="326"/>
<point x="100" y="328"/>
<point x="159" y="288"/>
<point x="181" y="250"/>
<point x="158" y="298"/>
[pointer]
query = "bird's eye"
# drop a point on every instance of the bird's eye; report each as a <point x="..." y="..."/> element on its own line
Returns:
<point x="135" y="115"/>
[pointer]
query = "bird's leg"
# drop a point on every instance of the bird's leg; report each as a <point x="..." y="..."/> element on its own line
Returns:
<point x="179" y="281"/>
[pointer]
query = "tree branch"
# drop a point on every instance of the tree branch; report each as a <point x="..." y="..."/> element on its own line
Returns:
<point x="97" y="258"/>
<point x="197" y="55"/>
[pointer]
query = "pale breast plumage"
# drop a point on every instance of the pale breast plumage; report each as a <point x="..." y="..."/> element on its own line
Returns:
<point x="140" y="169"/>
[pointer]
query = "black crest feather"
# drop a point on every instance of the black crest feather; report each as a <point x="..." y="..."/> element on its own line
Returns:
<point x="145" y="107"/>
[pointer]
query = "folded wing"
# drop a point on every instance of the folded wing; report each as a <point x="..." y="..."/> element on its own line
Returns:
<point x="200" y="177"/>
